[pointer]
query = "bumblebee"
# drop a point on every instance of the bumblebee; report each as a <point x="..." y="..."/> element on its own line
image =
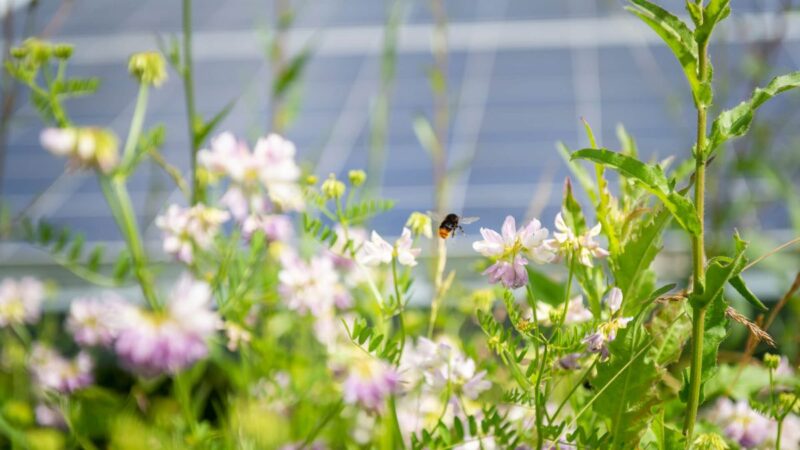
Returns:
<point x="450" y="223"/>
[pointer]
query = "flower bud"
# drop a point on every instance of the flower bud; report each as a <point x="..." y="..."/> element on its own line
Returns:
<point x="311" y="180"/>
<point x="788" y="401"/>
<point x="357" y="177"/>
<point x="420" y="224"/>
<point x="771" y="361"/>
<point x="62" y="51"/>
<point x="149" y="68"/>
<point x="709" y="441"/>
<point x="333" y="188"/>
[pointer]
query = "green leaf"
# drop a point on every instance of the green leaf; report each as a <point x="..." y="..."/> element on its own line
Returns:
<point x="652" y="176"/>
<point x="719" y="271"/>
<point x="426" y="136"/>
<point x="580" y="174"/>
<point x="571" y="209"/>
<point x="662" y="436"/>
<point x="669" y="328"/>
<point x="738" y="283"/>
<point x="653" y="179"/>
<point x="635" y="258"/>
<point x="736" y="121"/>
<point x="544" y="288"/>
<point x="627" y="400"/>
<point x="716" y="328"/>
<point x="291" y="73"/>
<point x="202" y="130"/>
<point x="679" y="38"/>
<point x="76" y="87"/>
<point x="713" y="13"/>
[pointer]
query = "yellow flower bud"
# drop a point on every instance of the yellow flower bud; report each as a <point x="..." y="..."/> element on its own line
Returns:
<point x="149" y="68"/>
<point x="420" y="224"/>
<point x="709" y="441"/>
<point x="62" y="51"/>
<point x="771" y="361"/>
<point x="357" y="177"/>
<point x="311" y="180"/>
<point x="333" y="188"/>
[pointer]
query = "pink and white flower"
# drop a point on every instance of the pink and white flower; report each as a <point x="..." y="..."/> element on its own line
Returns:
<point x="509" y="251"/>
<point x="20" y="301"/>
<point x="311" y="287"/>
<point x="93" y="321"/>
<point x="52" y="371"/>
<point x="185" y="229"/>
<point x="441" y="364"/>
<point x="741" y="423"/>
<point x="377" y="251"/>
<point x="276" y="227"/>
<point x="606" y="332"/>
<point x="369" y="383"/>
<point x="583" y="247"/>
<point x="168" y="341"/>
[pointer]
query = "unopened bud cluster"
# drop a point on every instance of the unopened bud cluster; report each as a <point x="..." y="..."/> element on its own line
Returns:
<point x="149" y="68"/>
<point x="332" y="188"/>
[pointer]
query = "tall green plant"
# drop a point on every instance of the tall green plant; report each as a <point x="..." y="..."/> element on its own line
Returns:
<point x="690" y="47"/>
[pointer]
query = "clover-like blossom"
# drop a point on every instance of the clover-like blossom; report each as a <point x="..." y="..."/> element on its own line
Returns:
<point x="441" y="364"/>
<point x="741" y="423"/>
<point x="20" y="301"/>
<point x="86" y="147"/>
<point x="160" y="342"/>
<point x="93" y="321"/>
<point x="185" y="229"/>
<point x="276" y="227"/>
<point x="369" y="382"/>
<point x="311" y="287"/>
<point x="583" y="247"/>
<point x="259" y="179"/>
<point x="606" y="332"/>
<point x="509" y="249"/>
<point x="377" y="251"/>
<point x="54" y="372"/>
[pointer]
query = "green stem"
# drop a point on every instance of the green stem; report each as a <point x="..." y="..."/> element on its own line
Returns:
<point x="188" y="89"/>
<point x="183" y="392"/>
<point x="778" y="435"/>
<point x="136" y="128"/>
<point x="400" y="307"/>
<point x="116" y="194"/>
<point x="698" y="254"/>
<point x="438" y="287"/>
<point x="575" y="387"/>
<point x="540" y="405"/>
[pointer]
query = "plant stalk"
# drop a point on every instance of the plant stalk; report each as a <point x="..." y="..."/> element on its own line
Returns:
<point x="188" y="89"/>
<point x="698" y="255"/>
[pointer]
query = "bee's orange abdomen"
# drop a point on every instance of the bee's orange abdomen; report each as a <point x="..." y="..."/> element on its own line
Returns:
<point x="444" y="232"/>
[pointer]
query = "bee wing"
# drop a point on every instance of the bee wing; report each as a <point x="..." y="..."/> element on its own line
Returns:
<point x="436" y="218"/>
<point x="467" y="220"/>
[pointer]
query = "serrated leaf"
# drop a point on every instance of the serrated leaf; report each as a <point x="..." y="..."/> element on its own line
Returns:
<point x="651" y="176"/>
<point x="635" y="258"/>
<point x="679" y="38"/>
<point x="736" y="121"/>
<point x="719" y="271"/>
<point x="653" y="179"/>
<point x="670" y="329"/>
<point x="627" y="400"/>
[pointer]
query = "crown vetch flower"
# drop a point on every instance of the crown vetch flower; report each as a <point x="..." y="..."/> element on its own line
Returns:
<point x="440" y="364"/>
<point x="276" y="227"/>
<point x="157" y="342"/>
<point x="86" y="147"/>
<point x="267" y="174"/>
<point x="20" y="301"/>
<point x="93" y="321"/>
<point x="187" y="228"/>
<point x="583" y="247"/>
<point x="311" y="286"/>
<point x="53" y="371"/>
<point x="377" y="251"/>
<point x="606" y="332"/>
<point x="741" y="423"/>
<point x="509" y="250"/>
<point x="369" y="382"/>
